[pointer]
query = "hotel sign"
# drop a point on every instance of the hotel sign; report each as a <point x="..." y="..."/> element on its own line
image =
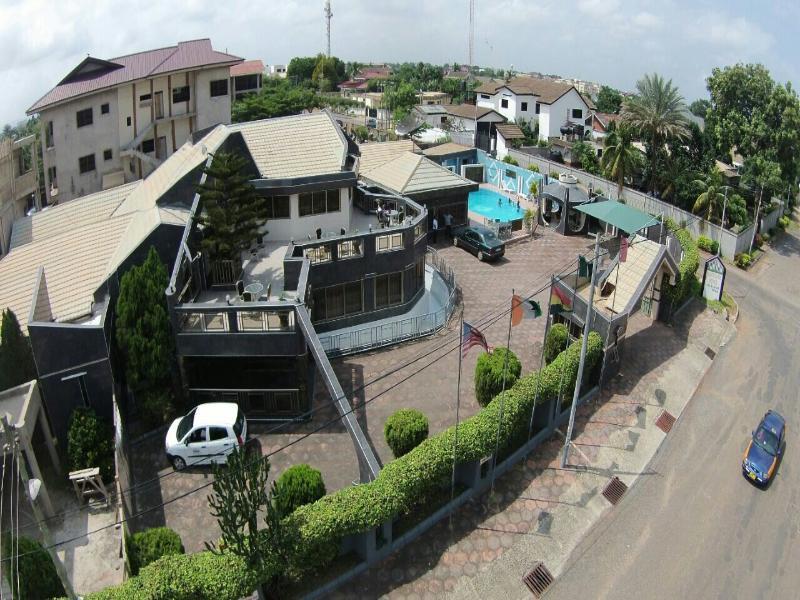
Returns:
<point x="713" y="278"/>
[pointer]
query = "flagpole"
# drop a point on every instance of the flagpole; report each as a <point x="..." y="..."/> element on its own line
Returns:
<point x="541" y="368"/>
<point x="577" y="392"/>
<point x="502" y="397"/>
<point x="458" y="407"/>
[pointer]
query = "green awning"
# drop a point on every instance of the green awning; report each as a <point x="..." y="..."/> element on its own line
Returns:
<point x="621" y="216"/>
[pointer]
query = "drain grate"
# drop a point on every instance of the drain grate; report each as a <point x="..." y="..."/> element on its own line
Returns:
<point x="538" y="580"/>
<point x="614" y="490"/>
<point x="665" y="421"/>
<point x="710" y="353"/>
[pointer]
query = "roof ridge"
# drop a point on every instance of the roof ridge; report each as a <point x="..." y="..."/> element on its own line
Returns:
<point x="413" y="171"/>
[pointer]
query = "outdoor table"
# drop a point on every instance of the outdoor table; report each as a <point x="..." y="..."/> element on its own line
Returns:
<point x="254" y="288"/>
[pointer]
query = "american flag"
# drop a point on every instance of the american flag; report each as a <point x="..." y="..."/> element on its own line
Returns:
<point x="471" y="336"/>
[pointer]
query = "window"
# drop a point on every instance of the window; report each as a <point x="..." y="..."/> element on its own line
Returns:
<point x="105" y="109"/>
<point x="128" y="121"/>
<point x="504" y="103"/>
<point x="84" y="117"/>
<point x="316" y="203"/>
<point x="419" y="273"/>
<point x="485" y="97"/>
<point x="197" y="436"/>
<point x="180" y="94"/>
<point x="385" y="243"/>
<point x="266" y="321"/>
<point x="388" y="290"/>
<point x="246" y="82"/>
<point x="524" y="107"/>
<point x="219" y="87"/>
<point x="145" y="98"/>
<point x="350" y="249"/>
<point x="86" y="163"/>
<point x="420" y="229"/>
<point x="538" y="108"/>
<point x="51" y="175"/>
<point x="217" y="433"/>
<point x="338" y="300"/>
<point x="577" y="113"/>
<point x="148" y="146"/>
<point x="107" y="154"/>
<point x="48" y="134"/>
<point x="318" y="254"/>
<point x="277" y="207"/>
<point x="215" y="322"/>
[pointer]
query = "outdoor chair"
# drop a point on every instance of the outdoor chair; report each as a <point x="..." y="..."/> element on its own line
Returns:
<point x="240" y="288"/>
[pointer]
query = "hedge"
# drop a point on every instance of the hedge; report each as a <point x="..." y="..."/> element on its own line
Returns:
<point x="297" y="485"/>
<point x="38" y="577"/>
<point x="148" y="546"/>
<point x="489" y="372"/>
<point x="685" y="280"/>
<point x="401" y="485"/>
<point x="555" y="342"/>
<point x="405" y="430"/>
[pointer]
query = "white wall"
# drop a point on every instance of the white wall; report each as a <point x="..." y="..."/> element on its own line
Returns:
<point x="561" y="111"/>
<point x="212" y="111"/>
<point x="514" y="110"/>
<point x="299" y="228"/>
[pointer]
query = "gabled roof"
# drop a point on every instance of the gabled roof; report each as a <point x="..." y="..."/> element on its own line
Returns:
<point x="445" y="149"/>
<point x="248" y="67"/>
<point x="547" y="90"/>
<point x="375" y="154"/>
<point x="604" y="120"/>
<point x="93" y="74"/>
<point x="431" y="109"/>
<point x="470" y="111"/>
<point x="411" y="173"/>
<point x="510" y="131"/>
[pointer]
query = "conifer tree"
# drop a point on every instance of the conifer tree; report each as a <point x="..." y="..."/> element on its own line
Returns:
<point x="16" y="357"/>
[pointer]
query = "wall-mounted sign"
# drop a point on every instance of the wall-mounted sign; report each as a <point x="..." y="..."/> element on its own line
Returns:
<point x="713" y="278"/>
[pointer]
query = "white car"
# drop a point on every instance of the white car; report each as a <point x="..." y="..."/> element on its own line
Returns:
<point x="206" y="435"/>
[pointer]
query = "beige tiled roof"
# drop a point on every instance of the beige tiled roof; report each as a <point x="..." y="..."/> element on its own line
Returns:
<point x="444" y="149"/>
<point x="509" y="131"/>
<point x="63" y="217"/>
<point x="548" y="90"/>
<point x="379" y="153"/>
<point x="632" y="273"/>
<point x="412" y="173"/>
<point x="296" y="146"/>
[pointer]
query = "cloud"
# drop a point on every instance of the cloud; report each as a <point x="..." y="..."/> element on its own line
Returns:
<point x="646" y="20"/>
<point x="598" y="8"/>
<point x="731" y="33"/>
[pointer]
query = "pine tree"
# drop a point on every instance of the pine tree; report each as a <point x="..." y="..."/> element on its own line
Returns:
<point x="143" y="329"/>
<point x="232" y="211"/>
<point x="16" y="357"/>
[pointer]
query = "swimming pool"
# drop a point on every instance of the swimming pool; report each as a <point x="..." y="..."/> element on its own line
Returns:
<point x="485" y="203"/>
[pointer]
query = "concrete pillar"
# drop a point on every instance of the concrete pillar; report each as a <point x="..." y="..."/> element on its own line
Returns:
<point x="48" y="438"/>
<point x="30" y="457"/>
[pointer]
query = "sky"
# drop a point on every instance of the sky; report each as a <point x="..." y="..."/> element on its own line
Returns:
<point x="609" y="41"/>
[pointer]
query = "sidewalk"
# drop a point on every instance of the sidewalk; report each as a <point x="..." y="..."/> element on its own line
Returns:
<point x="544" y="510"/>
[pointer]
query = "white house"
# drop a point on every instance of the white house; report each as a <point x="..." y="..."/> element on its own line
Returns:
<point x="551" y="104"/>
<point x="462" y="118"/>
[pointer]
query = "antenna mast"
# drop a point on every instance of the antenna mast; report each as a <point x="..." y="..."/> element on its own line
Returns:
<point x="471" y="32"/>
<point x="328" y="15"/>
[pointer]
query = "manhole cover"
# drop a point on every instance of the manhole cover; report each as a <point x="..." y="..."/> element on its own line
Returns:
<point x="710" y="353"/>
<point x="614" y="490"/>
<point x="538" y="580"/>
<point x="545" y="522"/>
<point x="665" y="421"/>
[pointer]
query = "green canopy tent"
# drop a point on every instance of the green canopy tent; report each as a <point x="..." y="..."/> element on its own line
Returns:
<point x="621" y="216"/>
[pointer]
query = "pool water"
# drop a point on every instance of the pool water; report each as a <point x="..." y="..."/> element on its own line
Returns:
<point x="484" y="202"/>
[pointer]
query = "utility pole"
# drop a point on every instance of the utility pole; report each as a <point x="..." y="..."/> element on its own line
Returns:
<point x="587" y="322"/>
<point x="722" y="224"/>
<point x="11" y="440"/>
<point x="328" y="15"/>
<point x="755" y="224"/>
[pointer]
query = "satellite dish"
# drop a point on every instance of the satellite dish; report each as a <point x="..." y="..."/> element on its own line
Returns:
<point x="34" y="485"/>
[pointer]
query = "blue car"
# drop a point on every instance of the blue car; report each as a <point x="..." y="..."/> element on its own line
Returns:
<point x="765" y="449"/>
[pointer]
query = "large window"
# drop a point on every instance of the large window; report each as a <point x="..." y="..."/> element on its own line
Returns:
<point x="84" y="117"/>
<point x="48" y="134"/>
<point x="86" y="163"/>
<point x="148" y="146"/>
<point x="388" y="290"/>
<point x="180" y="94"/>
<point x="246" y="82"/>
<point x="351" y="249"/>
<point x="266" y="321"/>
<point x="386" y="243"/>
<point x="219" y="87"/>
<point x="577" y="113"/>
<point x="277" y="207"/>
<point x="318" y="254"/>
<point x="338" y="301"/>
<point x="316" y="203"/>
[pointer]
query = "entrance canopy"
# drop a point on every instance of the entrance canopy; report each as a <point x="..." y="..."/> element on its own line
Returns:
<point x="621" y="216"/>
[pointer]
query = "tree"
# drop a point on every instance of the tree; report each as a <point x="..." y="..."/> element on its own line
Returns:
<point x="490" y="372"/>
<point x="277" y="98"/>
<point x="400" y="99"/>
<point x="16" y="356"/>
<point x="142" y="329"/>
<point x="405" y="430"/>
<point x="301" y="68"/>
<point x="710" y="201"/>
<point x="608" y="100"/>
<point x="297" y="485"/>
<point x="328" y="72"/>
<point x="38" y="577"/>
<point x="699" y="108"/>
<point x="620" y="159"/>
<point x="658" y="113"/>
<point x="736" y="211"/>
<point x="584" y="156"/>
<point x="232" y="210"/>
<point x="90" y="443"/>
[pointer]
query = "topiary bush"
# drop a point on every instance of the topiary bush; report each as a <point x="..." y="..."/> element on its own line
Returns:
<point x="90" y="443"/>
<point x="148" y="546"/>
<point x="297" y="485"/>
<point x="743" y="260"/>
<point x="707" y="244"/>
<point x="510" y="160"/>
<point x="38" y="577"/>
<point x="555" y="342"/>
<point x="783" y="222"/>
<point x="533" y="167"/>
<point x="489" y="374"/>
<point x="405" y="430"/>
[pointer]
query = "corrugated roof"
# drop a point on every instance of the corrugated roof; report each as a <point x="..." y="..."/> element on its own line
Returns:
<point x="295" y="146"/>
<point x="92" y="75"/>
<point x="548" y="90"/>
<point x="413" y="173"/>
<point x="431" y="109"/>
<point x="248" y="67"/>
<point x="379" y="153"/>
<point x="444" y="149"/>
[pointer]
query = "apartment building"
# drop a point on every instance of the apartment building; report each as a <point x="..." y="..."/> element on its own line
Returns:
<point x="110" y="122"/>
<point x="19" y="184"/>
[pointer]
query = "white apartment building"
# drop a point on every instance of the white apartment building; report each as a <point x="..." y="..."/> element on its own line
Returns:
<point x="551" y="104"/>
<point x="109" y="122"/>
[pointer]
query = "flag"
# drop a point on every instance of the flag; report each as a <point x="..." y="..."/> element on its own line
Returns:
<point x="584" y="267"/>
<point x="559" y="301"/>
<point x="623" y="249"/>
<point x="524" y="309"/>
<point x="471" y="336"/>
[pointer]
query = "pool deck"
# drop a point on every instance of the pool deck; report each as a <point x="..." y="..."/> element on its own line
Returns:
<point x="524" y="203"/>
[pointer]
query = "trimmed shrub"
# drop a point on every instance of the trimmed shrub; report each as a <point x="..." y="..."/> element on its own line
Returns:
<point x="38" y="577"/>
<point x="687" y="268"/>
<point x="148" y="546"/>
<point x="405" y="430"/>
<point x="743" y="260"/>
<point x="784" y="222"/>
<point x="554" y="175"/>
<point x="707" y="244"/>
<point x="90" y="443"/>
<point x="489" y="374"/>
<point x="533" y="167"/>
<point x="510" y="160"/>
<point x="556" y="342"/>
<point x="297" y="485"/>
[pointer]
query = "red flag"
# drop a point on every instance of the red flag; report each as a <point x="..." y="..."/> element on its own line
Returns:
<point x="623" y="249"/>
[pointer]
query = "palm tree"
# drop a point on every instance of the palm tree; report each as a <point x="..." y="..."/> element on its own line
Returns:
<point x="711" y="198"/>
<point x="620" y="158"/>
<point x="658" y="112"/>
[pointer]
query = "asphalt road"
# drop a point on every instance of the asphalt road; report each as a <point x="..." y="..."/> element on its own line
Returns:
<point x="698" y="529"/>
